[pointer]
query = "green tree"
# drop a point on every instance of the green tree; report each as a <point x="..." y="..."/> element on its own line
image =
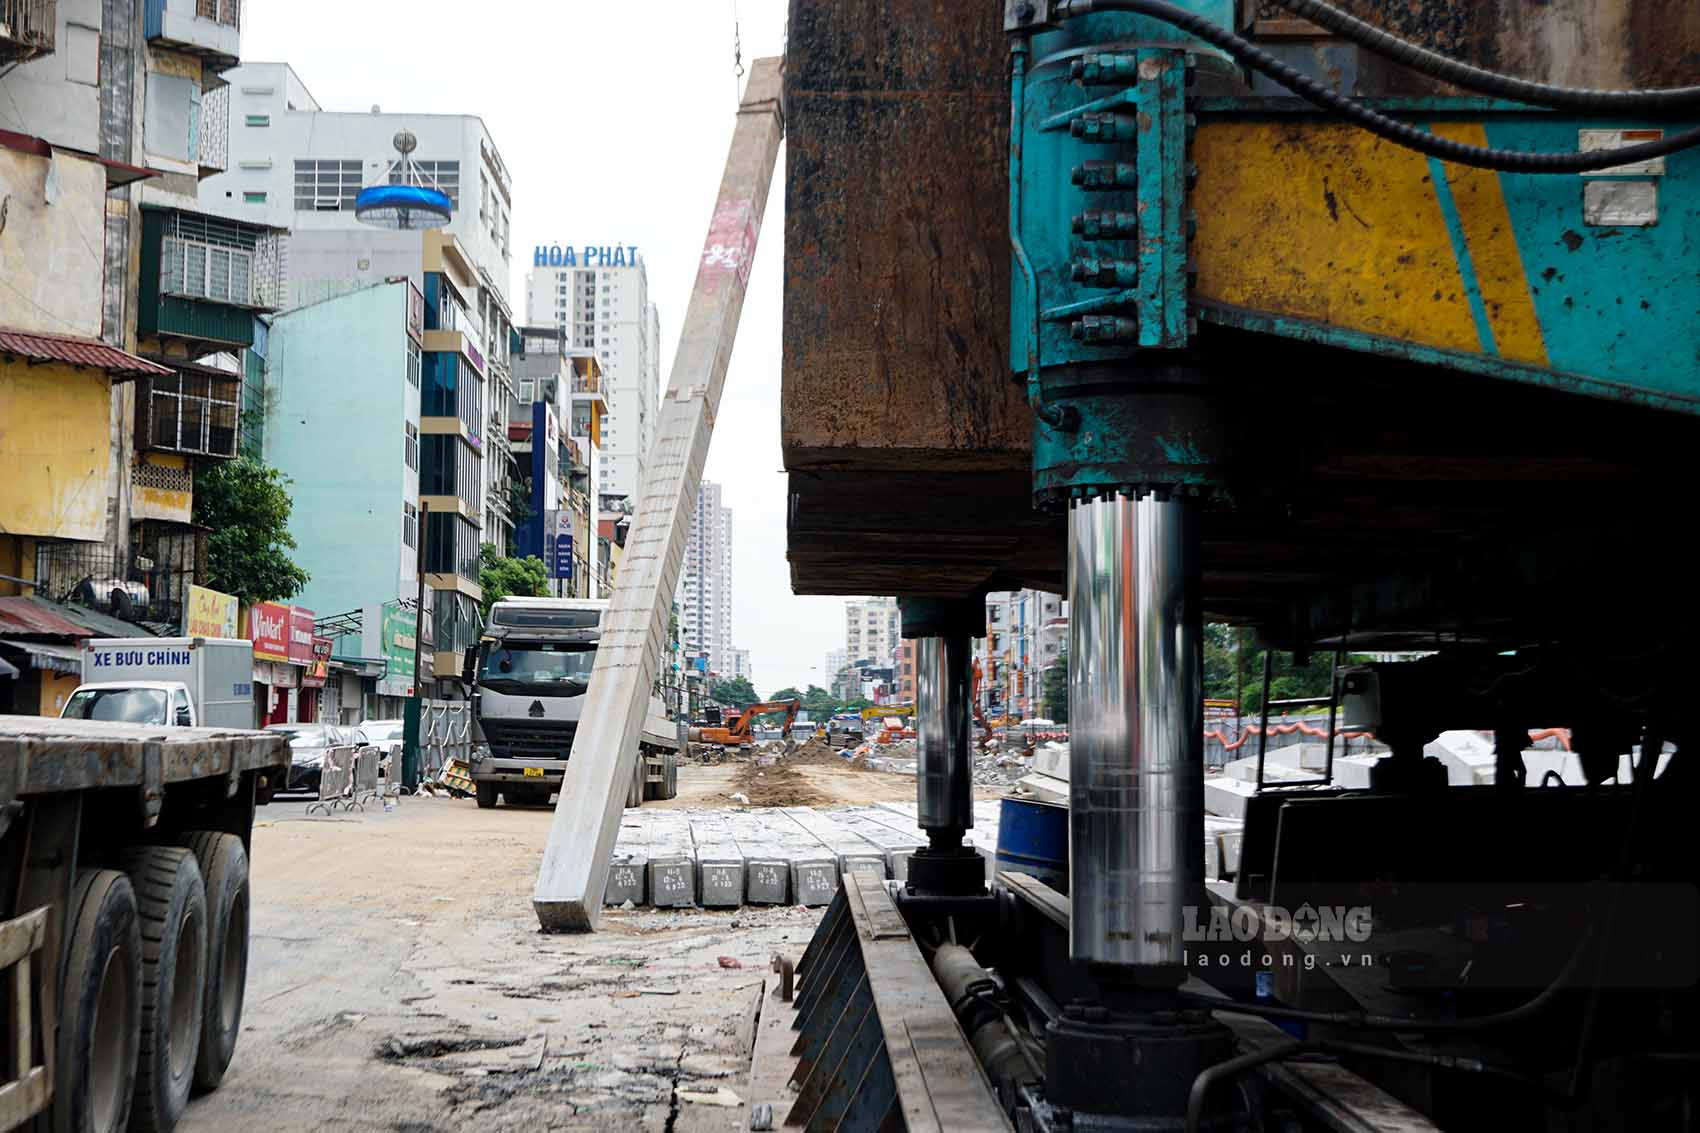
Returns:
<point x="1233" y="670"/>
<point x="856" y="705"/>
<point x="787" y="693"/>
<point x="736" y="691"/>
<point x="501" y="577"/>
<point x="246" y="505"/>
<point x="818" y="702"/>
<point x="1053" y="687"/>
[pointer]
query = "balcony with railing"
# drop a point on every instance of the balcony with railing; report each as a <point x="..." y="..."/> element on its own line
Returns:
<point x="28" y="29"/>
<point x="211" y="29"/>
<point x="204" y="278"/>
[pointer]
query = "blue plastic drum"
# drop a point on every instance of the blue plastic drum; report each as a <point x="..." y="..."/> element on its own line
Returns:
<point x="1033" y="839"/>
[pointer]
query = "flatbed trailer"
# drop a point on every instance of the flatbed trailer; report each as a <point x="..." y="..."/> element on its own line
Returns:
<point x="124" y="933"/>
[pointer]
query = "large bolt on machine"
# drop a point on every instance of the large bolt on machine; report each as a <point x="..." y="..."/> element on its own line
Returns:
<point x="1376" y="331"/>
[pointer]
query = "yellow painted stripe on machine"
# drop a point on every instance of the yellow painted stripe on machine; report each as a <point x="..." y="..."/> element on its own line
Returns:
<point x="1325" y="222"/>
<point x="1486" y="221"/>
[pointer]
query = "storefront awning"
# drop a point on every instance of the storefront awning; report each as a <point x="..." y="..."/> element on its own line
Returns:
<point x="49" y="655"/>
<point x="8" y="671"/>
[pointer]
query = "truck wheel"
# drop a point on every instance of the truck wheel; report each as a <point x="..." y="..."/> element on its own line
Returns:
<point x="224" y="867"/>
<point x="174" y="964"/>
<point x="634" y="793"/>
<point x="99" y="1025"/>
<point x="486" y="794"/>
<point x="670" y="776"/>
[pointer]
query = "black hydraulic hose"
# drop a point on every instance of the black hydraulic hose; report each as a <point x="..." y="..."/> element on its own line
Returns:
<point x="1400" y="133"/>
<point x="1454" y="71"/>
<point x="1208" y="1078"/>
<point x="1361" y="1021"/>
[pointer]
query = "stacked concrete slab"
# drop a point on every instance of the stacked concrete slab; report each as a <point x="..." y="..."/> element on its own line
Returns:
<point x="723" y="858"/>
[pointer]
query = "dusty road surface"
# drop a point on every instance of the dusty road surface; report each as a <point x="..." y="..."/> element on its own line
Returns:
<point x="397" y="981"/>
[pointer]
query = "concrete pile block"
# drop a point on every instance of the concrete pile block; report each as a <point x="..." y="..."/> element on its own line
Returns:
<point x="672" y="860"/>
<point x="720" y="861"/>
<point x="852" y="850"/>
<point x="896" y="842"/>
<point x="628" y="866"/>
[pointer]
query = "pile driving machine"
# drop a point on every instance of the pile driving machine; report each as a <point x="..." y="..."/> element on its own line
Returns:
<point x="1322" y="332"/>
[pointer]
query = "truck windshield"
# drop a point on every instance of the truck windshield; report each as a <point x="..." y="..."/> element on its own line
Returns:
<point x="556" y="666"/>
<point x="130" y="705"/>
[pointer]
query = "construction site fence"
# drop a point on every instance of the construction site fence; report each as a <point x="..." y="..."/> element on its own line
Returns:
<point x="445" y="734"/>
<point x="1228" y="740"/>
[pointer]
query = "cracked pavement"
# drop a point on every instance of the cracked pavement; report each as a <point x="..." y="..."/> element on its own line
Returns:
<point x="397" y="981"/>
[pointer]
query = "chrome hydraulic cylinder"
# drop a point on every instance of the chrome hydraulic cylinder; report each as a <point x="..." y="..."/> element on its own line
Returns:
<point x="1136" y="741"/>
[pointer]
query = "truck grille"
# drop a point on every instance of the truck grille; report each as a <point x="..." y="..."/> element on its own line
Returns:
<point x="510" y="739"/>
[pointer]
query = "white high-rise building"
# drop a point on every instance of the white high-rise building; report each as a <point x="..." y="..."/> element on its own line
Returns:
<point x="741" y="665"/>
<point x="599" y="296"/>
<point x="705" y="588"/>
<point x="871" y="633"/>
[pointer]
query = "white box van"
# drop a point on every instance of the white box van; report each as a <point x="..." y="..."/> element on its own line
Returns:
<point x="195" y="682"/>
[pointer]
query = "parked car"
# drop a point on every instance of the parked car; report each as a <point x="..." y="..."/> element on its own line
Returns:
<point x="307" y="746"/>
<point x="385" y="735"/>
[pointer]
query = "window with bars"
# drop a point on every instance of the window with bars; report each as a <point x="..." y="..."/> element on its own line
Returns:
<point x="193" y="413"/>
<point x="409" y="523"/>
<point x="441" y="175"/>
<point x="412" y="448"/>
<point x="413" y="364"/>
<point x="207" y="271"/>
<point x="326" y="186"/>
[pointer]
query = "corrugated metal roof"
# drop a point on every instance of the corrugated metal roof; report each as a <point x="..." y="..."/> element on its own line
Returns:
<point x="36" y="617"/>
<point x="74" y="351"/>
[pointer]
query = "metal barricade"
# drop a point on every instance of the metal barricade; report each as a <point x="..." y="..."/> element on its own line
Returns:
<point x="336" y="780"/>
<point x="366" y="784"/>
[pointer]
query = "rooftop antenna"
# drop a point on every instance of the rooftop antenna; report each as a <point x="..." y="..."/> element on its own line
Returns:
<point x="404" y="197"/>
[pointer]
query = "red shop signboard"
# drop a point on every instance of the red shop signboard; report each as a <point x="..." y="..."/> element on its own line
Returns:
<point x="300" y="636"/>
<point x="268" y="629"/>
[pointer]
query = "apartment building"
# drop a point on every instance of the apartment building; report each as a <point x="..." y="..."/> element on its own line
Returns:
<point x="705" y="585"/>
<point x="598" y="295"/>
<point x="296" y="166"/>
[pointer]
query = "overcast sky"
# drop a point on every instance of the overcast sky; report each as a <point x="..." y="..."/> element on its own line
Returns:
<point x="614" y="121"/>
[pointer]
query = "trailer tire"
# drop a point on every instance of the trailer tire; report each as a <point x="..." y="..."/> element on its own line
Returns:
<point x="635" y="793"/>
<point x="224" y="868"/>
<point x="173" y="905"/>
<point x="100" y="1021"/>
<point x="486" y="795"/>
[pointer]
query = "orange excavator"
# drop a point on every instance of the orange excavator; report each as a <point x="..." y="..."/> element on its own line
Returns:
<point x="735" y="730"/>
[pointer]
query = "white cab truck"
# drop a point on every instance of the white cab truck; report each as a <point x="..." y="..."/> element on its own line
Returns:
<point x="124" y="915"/>
<point x="528" y="679"/>
<point x="181" y="682"/>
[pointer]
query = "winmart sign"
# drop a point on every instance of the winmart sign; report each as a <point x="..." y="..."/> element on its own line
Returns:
<point x="591" y="255"/>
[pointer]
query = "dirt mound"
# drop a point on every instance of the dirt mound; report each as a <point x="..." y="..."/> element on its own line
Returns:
<point x="819" y="752"/>
<point x="776" y="784"/>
